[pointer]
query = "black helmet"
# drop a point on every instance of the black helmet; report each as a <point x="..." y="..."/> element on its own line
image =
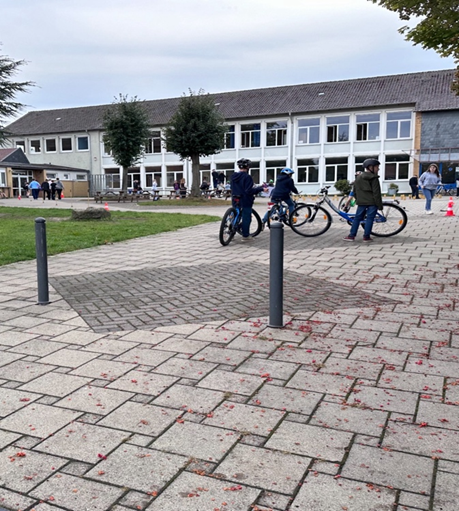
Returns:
<point x="370" y="162"/>
<point x="243" y="163"/>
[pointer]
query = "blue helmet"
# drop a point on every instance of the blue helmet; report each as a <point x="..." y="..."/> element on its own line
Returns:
<point x="287" y="171"/>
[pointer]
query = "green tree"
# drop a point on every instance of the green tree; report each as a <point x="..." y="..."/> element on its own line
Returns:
<point x="126" y="128"/>
<point x="437" y="29"/>
<point x="196" y="129"/>
<point x="8" y="91"/>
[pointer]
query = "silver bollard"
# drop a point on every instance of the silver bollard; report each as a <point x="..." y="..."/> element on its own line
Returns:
<point x="276" y="275"/>
<point x="42" y="261"/>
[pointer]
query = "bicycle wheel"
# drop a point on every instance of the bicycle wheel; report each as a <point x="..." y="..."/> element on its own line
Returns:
<point x="227" y="230"/>
<point x="255" y="225"/>
<point x="390" y="221"/>
<point x="310" y="220"/>
<point x="275" y="215"/>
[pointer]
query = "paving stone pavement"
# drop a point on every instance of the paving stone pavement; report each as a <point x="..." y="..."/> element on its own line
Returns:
<point x="153" y="381"/>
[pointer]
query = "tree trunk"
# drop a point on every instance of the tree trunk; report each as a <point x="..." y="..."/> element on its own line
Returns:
<point x="124" y="175"/>
<point x="195" y="192"/>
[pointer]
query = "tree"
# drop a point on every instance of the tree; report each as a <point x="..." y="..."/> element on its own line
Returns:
<point x="8" y="91"/>
<point x="196" y="129"/>
<point x="126" y="129"/>
<point x="438" y="29"/>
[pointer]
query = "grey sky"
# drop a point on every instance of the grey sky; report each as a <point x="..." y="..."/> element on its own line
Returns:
<point x="87" y="52"/>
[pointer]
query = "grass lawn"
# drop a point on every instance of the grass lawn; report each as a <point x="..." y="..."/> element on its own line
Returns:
<point x="17" y="229"/>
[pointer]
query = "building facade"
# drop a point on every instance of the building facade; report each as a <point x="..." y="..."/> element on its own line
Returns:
<point x="324" y="131"/>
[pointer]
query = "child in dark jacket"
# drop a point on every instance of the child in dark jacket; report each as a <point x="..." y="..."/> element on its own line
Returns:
<point x="284" y="187"/>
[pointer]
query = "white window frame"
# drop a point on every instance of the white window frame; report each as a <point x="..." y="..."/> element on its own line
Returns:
<point x="78" y="143"/>
<point x="397" y="167"/>
<point x="81" y="177"/>
<point x="335" y="165"/>
<point x="280" y="133"/>
<point x="22" y="145"/>
<point x="398" y="123"/>
<point x="332" y="122"/>
<point x="366" y="124"/>
<point x="270" y="166"/>
<point x="230" y="136"/>
<point x="248" y="135"/>
<point x="61" y="144"/>
<point x="32" y="149"/>
<point x="307" y="168"/>
<point x="152" y="141"/>
<point x="3" y="177"/>
<point x="306" y="130"/>
<point x="46" y="145"/>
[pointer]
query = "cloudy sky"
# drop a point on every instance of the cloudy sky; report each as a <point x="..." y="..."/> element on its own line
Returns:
<point x="87" y="52"/>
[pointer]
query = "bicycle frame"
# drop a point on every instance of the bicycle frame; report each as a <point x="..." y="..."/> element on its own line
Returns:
<point x="348" y="217"/>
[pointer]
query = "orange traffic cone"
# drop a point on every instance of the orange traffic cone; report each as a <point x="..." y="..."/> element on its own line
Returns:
<point x="19" y="197"/>
<point x="106" y="206"/>
<point x="450" y="211"/>
<point x="62" y="194"/>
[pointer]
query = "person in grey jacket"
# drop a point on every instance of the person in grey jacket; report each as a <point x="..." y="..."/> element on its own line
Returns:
<point x="367" y="193"/>
<point x="59" y="188"/>
<point x="429" y="181"/>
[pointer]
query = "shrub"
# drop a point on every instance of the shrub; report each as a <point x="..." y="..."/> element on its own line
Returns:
<point x="343" y="186"/>
<point x="91" y="214"/>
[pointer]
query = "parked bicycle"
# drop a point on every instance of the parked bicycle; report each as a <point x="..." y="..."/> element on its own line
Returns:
<point x="445" y="190"/>
<point x="231" y="223"/>
<point x="313" y="219"/>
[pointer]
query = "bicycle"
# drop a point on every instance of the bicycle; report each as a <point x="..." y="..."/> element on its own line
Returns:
<point x="232" y="223"/>
<point x="278" y="212"/>
<point x="314" y="219"/>
<point x="445" y="190"/>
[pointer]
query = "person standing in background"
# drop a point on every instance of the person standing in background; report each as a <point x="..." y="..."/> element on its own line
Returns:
<point x="429" y="181"/>
<point x="59" y="188"/>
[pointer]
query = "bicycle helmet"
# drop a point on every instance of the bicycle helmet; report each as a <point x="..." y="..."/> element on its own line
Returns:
<point x="287" y="171"/>
<point x="370" y="162"/>
<point x="244" y="163"/>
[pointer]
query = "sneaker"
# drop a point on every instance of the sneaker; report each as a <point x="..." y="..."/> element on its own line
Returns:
<point x="247" y="238"/>
<point x="367" y="238"/>
<point x="349" y="238"/>
<point x="429" y="212"/>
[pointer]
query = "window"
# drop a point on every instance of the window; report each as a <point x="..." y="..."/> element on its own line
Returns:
<point x="250" y="135"/>
<point x="113" y="178"/>
<point x="106" y="150"/>
<point x="133" y="175"/>
<point x="308" y="171"/>
<point x="2" y="177"/>
<point x="51" y="175"/>
<point x="66" y="144"/>
<point x="81" y="177"/>
<point x="398" y="125"/>
<point x="204" y="171"/>
<point x="153" y="144"/>
<point x="396" y="167"/>
<point x="229" y="138"/>
<point x="227" y="169"/>
<point x="309" y="131"/>
<point x="273" y="169"/>
<point x="335" y="169"/>
<point x="255" y="171"/>
<point x="367" y="126"/>
<point x="35" y="146"/>
<point x="338" y="128"/>
<point x="276" y="133"/>
<point x="360" y="159"/>
<point x="174" y="172"/>
<point x="20" y="144"/>
<point x="152" y="173"/>
<point x="83" y="143"/>
<point x="50" y="145"/>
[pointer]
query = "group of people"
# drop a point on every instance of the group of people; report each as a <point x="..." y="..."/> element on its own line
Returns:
<point x="366" y="192"/>
<point x="51" y="189"/>
<point x="180" y="188"/>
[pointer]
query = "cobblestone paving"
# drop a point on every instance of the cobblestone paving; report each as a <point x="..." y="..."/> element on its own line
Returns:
<point x="124" y="300"/>
<point x="353" y="405"/>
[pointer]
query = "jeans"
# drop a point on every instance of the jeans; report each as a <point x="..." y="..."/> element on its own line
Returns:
<point x="246" y="220"/>
<point x="35" y="192"/>
<point x="370" y="212"/>
<point x="429" y="195"/>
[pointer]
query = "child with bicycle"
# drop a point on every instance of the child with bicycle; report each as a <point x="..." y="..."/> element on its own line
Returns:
<point x="283" y="188"/>
<point x="367" y="192"/>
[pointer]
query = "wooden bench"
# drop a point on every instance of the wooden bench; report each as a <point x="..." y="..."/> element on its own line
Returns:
<point x="106" y="196"/>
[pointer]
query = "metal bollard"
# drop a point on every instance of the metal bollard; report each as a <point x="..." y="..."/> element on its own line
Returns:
<point x="276" y="275"/>
<point x="42" y="261"/>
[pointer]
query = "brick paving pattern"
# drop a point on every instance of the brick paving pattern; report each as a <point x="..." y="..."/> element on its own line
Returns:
<point x="128" y="391"/>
